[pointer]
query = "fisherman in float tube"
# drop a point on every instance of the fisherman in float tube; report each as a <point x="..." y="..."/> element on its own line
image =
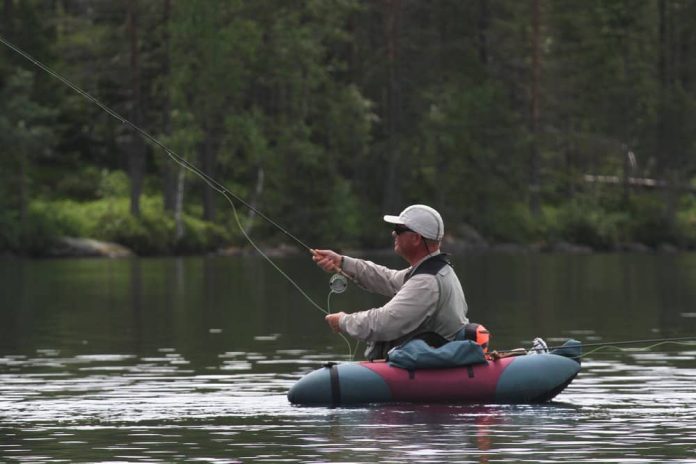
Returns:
<point x="427" y="301"/>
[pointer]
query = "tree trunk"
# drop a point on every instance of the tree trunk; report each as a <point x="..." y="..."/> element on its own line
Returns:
<point x="482" y="29"/>
<point x="534" y="162"/>
<point x="667" y="168"/>
<point x="626" y="171"/>
<point x="7" y="16"/>
<point x="569" y="150"/>
<point x="169" y="169"/>
<point x="6" y="26"/>
<point x="208" y="165"/>
<point x="179" y="204"/>
<point x="23" y="188"/>
<point x="260" y="176"/>
<point x="392" y="193"/>
<point x="136" y="153"/>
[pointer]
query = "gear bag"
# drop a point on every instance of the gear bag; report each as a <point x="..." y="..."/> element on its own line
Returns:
<point x="417" y="354"/>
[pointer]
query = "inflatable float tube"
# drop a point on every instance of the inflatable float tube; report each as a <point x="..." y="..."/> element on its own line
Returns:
<point x="522" y="379"/>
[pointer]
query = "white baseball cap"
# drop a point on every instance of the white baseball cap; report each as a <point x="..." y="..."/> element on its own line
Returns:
<point x="421" y="219"/>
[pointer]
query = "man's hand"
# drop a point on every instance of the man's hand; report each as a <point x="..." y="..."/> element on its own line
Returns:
<point x="328" y="260"/>
<point x="333" y="321"/>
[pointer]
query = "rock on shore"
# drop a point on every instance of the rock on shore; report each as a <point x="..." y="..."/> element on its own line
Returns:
<point x="87" y="247"/>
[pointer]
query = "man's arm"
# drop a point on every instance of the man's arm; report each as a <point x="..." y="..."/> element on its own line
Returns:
<point x="373" y="277"/>
<point x="416" y="301"/>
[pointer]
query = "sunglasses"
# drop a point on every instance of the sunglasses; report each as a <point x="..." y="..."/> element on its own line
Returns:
<point x="399" y="229"/>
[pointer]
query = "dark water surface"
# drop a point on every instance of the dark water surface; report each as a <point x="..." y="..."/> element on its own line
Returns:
<point x="189" y="360"/>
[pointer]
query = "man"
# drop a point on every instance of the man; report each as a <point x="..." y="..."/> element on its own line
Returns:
<point x="427" y="299"/>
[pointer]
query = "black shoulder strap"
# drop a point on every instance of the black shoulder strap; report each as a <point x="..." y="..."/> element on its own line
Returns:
<point x="430" y="266"/>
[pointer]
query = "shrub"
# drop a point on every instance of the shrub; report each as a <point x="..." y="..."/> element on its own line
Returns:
<point x="9" y="231"/>
<point x="82" y="184"/>
<point x="584" y="223"/>
<point x="113" y="184"/>
<point x="201" y="236"/>
<point x="651" y="225"/>
<point x="110" y="220"/>
<point x="40" y="229"/>
<point x="514" y="224"/>
<point x="155" y="231"/>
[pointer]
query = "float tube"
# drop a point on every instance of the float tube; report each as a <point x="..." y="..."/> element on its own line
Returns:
<point x="522" y="379"/>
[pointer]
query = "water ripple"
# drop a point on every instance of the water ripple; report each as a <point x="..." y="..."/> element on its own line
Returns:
<point x="116" y="407"/>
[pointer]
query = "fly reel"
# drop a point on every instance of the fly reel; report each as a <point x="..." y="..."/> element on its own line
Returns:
<point x="338" y="283"/>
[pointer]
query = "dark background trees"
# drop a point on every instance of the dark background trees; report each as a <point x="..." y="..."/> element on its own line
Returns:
<point x="531" y="121"/>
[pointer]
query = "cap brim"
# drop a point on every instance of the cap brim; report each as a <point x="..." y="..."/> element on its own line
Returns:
<point x="393" y="220"/>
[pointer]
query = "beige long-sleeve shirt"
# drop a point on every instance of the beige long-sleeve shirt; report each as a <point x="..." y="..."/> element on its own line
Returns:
<point x="425" y="303"/>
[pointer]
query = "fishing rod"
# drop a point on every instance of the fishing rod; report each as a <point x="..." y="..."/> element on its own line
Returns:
<point x="633" y="342"/>
<point x="655" y="341"/>
<point x="210" y="181"/>
<point x="181" y="161"/>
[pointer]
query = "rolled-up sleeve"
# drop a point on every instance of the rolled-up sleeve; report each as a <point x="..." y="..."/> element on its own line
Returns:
<point x="415" y="301"/>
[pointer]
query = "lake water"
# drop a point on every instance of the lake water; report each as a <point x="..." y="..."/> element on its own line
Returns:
<point x="190" y="359"/>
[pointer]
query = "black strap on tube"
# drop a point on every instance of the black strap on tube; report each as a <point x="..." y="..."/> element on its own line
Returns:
<point x="335" y="385"/>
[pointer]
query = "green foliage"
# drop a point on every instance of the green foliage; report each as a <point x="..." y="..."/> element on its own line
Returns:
<point x="466" y="133"/>
<point x="651" y="225"/>
<point x="202" y="236"/>
<point x="81" y="184"/>
<point x="148" y="234"/>
<point x="342" y="222"/>
<point x="33" y="236"/>
<point x="110" y="220"/>
<point x="327" y="114"/>
<point x="25" y="134"/>
<point x="686" y="221"/>
<point x="112" y="184"/>
<point x="582" y="222"/>
<point x="10" y="234"/>
<point x="154" y="232"/>
<point x="513" y="224"/>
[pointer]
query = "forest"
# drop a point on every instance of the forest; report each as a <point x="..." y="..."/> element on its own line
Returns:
<point x="528" y="122"/>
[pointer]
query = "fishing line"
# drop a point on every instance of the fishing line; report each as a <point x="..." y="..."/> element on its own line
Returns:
<point x="338" y="284"/>
<point x="215" y="185"/>
<point x="182" y="162"/>
<point x="603" y="346"/>
<point x="639" y="349"/>
<point x="657" y="341"/>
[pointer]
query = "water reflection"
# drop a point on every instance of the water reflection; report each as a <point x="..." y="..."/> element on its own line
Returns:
<point x="190" y="360"/>
<point x="157" y="408"/>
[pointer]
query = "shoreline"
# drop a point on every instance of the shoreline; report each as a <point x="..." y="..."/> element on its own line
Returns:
<point x="82" y="247"/>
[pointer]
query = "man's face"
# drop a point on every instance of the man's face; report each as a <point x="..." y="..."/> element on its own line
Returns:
<point x="405" y="241"/>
